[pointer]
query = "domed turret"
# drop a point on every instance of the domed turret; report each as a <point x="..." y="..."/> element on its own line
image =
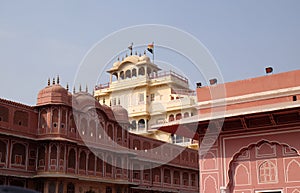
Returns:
<point x="117" y="63"/>
<point x="53" y="94"/>
<point x="121" y="114"/>
<point x="144" y="58"/>
<point x="83" y="101"/>
<point x="108" y="111"/>
<point x="131" y="59"/>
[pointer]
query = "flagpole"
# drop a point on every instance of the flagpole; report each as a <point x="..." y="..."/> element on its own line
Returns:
<point x="151" y="50"/>
<point x="153" y="53"/>
<point x="153" y="57"/>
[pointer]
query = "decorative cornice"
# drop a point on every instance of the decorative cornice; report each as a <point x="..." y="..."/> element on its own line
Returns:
<point x="16" y="104"/>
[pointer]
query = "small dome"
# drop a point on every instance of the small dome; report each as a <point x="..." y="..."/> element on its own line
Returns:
<point x="132" y="59"/>
<point x="83" y="101"/>
<point x="117" y="63"/>
<point x="145" y="58"/>
<point x="121" y="114"/>
<point x="54" y="94"/>
<point x="108" y="111"/>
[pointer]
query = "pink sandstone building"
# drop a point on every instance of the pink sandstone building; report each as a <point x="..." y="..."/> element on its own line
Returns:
<point x="69" y="143"/>
<point x="249" y="135"/>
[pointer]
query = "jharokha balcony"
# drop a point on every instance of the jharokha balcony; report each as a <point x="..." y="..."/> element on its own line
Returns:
<point x="155" y="79"/>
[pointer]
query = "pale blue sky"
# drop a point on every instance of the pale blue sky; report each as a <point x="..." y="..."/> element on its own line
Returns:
<point x="41" y="39"/>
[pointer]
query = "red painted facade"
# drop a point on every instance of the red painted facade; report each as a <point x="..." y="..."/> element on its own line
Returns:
<point x="257" y="149"/>
<point x="248" y="134"/>
<point x="251" y="147"/>
<point x="71" y="143"/>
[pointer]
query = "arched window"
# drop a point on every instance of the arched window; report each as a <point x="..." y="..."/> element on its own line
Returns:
<point x="71" y="159"/>
<point x="186" y="114"/>
<point x="91" y="162"/>
<point x="114" y="76"/>
<point x="178" y="116"/>
<point x="41" y="156"/>
<point x="53" y="155"/>
<point x="18" y="154"/>
<point x="128" y="74"/>
<point x="141" y="124"/>
<point x="122" y="75"/>
<point x="133" y="73"/>
<point x="82" y="161"/>
<point x="55" y="120"/>
<point x="171" y="118"/>
<point x="63" y="121"/>
<point x="141" y="71"/>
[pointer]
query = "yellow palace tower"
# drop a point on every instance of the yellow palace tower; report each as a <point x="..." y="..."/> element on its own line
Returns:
<point x="150" y="95"/>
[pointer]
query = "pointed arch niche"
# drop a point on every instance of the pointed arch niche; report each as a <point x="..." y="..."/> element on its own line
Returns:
<point x="209" y="161"/>
<point x="210" y="185"/>
<point x="293" y="170"/>
<point x="242" y="175"/>
<point x="239" y="172"/>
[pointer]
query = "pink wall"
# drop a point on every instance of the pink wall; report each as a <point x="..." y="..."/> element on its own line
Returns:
<point x="252" y="85"/>
<point x="257" y="158"/>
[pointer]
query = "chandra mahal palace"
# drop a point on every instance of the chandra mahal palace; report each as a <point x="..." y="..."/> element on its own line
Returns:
<point x="146" y="131"/>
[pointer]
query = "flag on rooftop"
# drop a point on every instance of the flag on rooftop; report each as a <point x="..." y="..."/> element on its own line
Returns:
<point x="130" y="48"/>
<point x="150" y="48"/>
